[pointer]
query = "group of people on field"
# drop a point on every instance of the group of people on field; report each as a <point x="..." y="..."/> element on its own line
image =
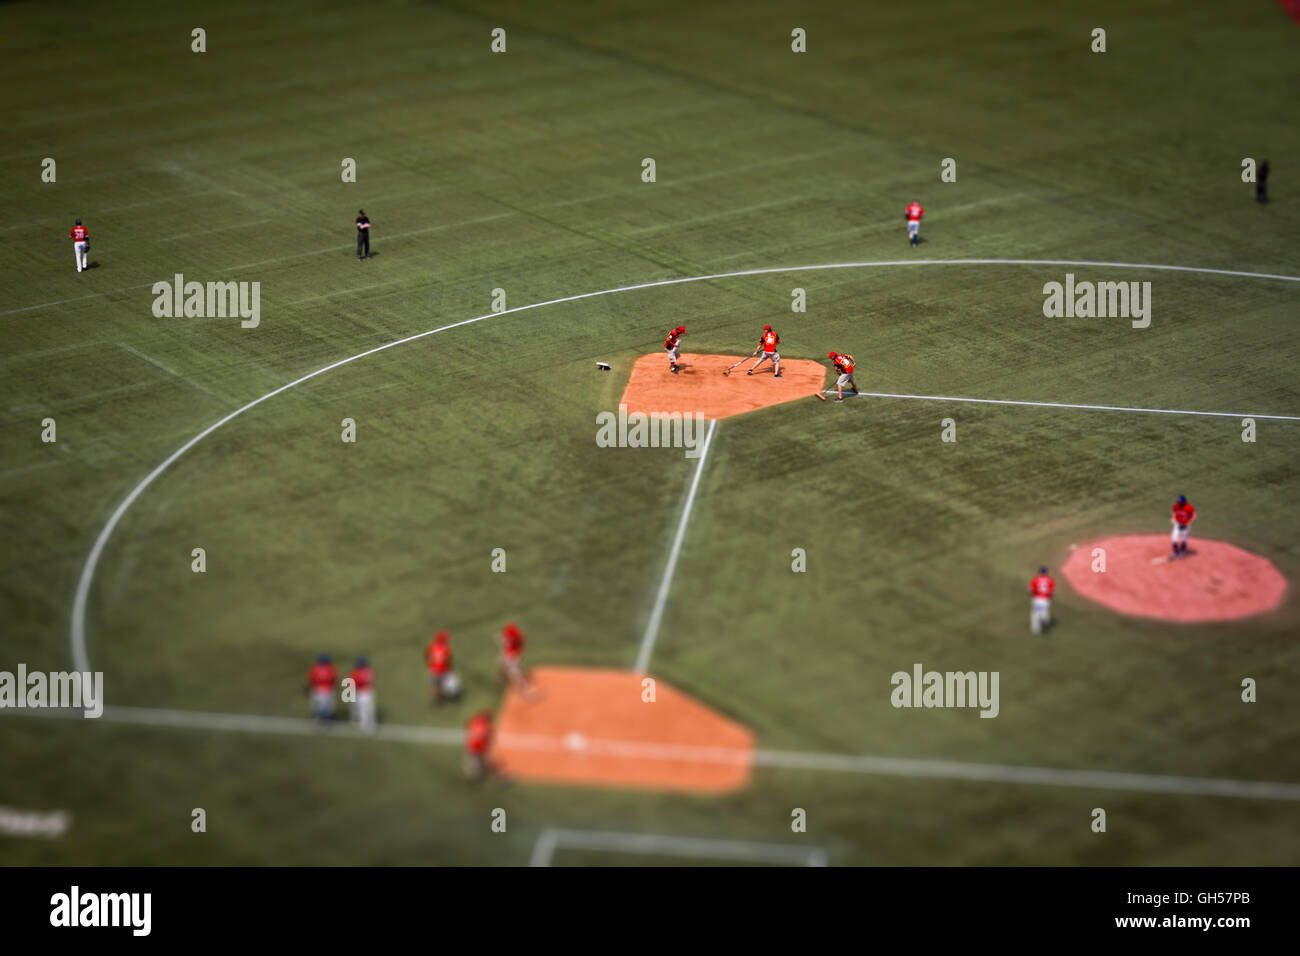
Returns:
<point x="357" y="690"/>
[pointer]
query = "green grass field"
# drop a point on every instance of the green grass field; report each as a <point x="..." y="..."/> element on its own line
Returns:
<point x="522" y="171"/>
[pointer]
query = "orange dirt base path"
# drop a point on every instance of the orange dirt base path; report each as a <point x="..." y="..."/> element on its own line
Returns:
<point x="592" y="727"/>
<point x="1215" y="581"/>
<point x="700" y="386"/>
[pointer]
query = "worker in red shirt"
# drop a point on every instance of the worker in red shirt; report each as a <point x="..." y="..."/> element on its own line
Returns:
<point x="80" y="244"/>
<point x="766" y="351"/>
<point x="512" y="652"/>
<point x="443" y="682"/>
<point x="673" y="346"/>
<point x="322" y="678"/>
<point x="1183" y="516"/>
<point x="914" y="213"/>
<point x="364" y="712"/>
<point x="1041" y="589"/>
<point x="844" y="365"/>
<point x="478" y="743"/>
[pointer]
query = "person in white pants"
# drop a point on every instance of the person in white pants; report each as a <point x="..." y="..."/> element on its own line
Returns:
<point x="80" y="244"/>
<point x="1041" y="589"/>
<point x="364" y="711"/>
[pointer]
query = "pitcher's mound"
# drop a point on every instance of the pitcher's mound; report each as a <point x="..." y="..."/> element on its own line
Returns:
<point x="593" y="727"/>
<point x="700" y="386"/>
<point x="1216" y="581"/>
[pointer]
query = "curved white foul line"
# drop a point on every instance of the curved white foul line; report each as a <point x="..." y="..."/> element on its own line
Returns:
<point x="78" y="626"/>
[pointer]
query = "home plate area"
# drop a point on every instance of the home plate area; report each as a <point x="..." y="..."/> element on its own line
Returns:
<point x="596" y="727"/>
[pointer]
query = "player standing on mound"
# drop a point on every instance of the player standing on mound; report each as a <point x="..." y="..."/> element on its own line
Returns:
<point x="767" y="343"/>
<point x="914" y="213"/>
<point x="1184" y="515"/>
<point x="844" y="364"/>
<point x="673" y="345"/>
<point x="1041" y="589"/>
<point x="80" y="237"/>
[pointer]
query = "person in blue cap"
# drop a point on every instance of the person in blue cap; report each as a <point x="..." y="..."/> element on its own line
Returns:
<point x="1184" y="515"/>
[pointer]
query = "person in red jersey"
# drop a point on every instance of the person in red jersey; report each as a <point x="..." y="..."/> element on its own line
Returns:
<point x="914" y="213"/>
<point x="80" y="237"/>
<point x="767" y="343"/>
<point x="512" y="652"/>
<point x="1183" y="516"/>
<point x="673" y="346"/>
<point x="322" y="679"/>
<point x="364" y="712"/>
<point x="443" y="682"/>
<point x="844" y="365"/>
<point x="478" y="745"/>
<point x="1041" y="589"/>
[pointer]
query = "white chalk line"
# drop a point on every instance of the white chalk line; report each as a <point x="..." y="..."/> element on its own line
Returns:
<point x="907" y="767"/>
<point x="328" y="250"/>
<point x="251" y="724"/>
<point x="23" y="469"/>
<point x="208" y="232"/>
<point x="1101" y="408"/>
<point x="662" y="844"/>
<point x="31" y="223"/>
<point x="721" y="275"/>
<point x="665" y="583"/>
<point x="169" y="371"/>
<point x="78" y="624"/>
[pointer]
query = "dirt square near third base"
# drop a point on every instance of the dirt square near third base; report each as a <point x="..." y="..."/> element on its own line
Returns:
<point x="700" y="386"/>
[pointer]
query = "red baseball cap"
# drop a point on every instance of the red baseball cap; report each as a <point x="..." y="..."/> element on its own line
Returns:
<point x="832" y="355"/>
<point x="767" y="328"/>
<point x="513" y="629"/>
<point x="681" y="328"/>
<point x="441" y="637"/>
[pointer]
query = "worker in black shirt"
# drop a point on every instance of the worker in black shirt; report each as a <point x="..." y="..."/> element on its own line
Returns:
<point x="363" y="235"/>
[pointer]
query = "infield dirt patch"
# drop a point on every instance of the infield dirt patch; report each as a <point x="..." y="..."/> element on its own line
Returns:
<point x="591" y="726"/>
<point x="1216" y="581"/>
<point x="700" y="386"/>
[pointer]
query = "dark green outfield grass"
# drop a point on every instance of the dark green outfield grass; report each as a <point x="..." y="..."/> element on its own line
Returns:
<point x="522" y="172"/>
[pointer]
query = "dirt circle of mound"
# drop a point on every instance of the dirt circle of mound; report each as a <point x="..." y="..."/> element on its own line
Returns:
<point x="1215" y="581"/>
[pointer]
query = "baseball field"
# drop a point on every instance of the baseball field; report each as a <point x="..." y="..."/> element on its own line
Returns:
<point x="391" y="446"/>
